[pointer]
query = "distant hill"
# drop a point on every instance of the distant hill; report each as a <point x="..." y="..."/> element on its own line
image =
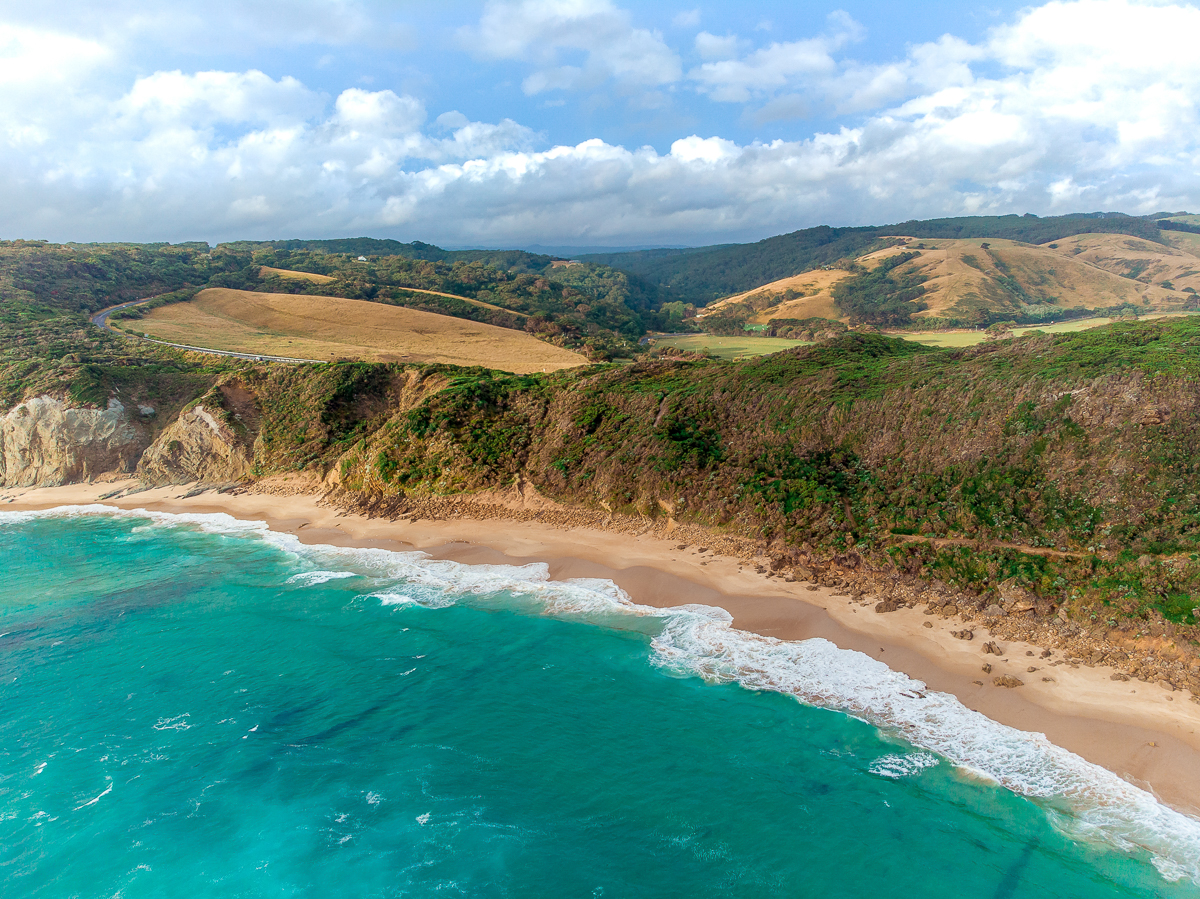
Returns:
<point x="568" y="252"/>
<point x="704" y="274"/>
<point x="970" y="282"/>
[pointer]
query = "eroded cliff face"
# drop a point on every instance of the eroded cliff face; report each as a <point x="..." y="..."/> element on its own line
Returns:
<point x="200" y="445"/>
<point x="45" y="443"/>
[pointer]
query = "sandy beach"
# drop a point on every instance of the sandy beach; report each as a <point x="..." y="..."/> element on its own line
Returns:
<point x="1140" y="731"/>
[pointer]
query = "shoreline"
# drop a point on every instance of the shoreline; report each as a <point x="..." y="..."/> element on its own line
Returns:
<point x="1137" y="730"/>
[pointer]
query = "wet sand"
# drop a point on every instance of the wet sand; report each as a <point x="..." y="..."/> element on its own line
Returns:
<point x="1140" y="731"/>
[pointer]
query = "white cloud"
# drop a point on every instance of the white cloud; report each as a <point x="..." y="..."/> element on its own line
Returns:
<point x="378" y="112"/>
<point x="595" y="34"/>
<point x="30" y="56"/>
<point x="777" y="66"/>
<point x="689" y="18"/>
<point x="222" y="25"/>
<point x="204" y="98"/>
<point x="1086" y="103"/>
<point x="710" y="46"/>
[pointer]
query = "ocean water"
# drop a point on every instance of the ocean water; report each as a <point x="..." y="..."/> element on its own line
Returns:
<point x="194" y="706"/>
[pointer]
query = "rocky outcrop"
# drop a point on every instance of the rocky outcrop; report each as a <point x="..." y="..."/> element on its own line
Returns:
<point x="201" y="445"/>
<point x="45" y="443"/>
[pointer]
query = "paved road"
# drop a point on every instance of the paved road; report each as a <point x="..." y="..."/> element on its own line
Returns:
<point x="100" y="320"/>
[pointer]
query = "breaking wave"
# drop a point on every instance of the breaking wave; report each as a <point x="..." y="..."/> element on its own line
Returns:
<point x="700" y="641"/>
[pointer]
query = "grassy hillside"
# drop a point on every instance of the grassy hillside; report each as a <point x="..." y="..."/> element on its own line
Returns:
<point x="709" y="273"/>
<point x="579" y="307"/>
<point x="973" y="283"/>
<point x="1162" y="270"/>
<point x="317" y="327"/>
<point x="1059" y="466"/>
<point x="1080" y="443"/>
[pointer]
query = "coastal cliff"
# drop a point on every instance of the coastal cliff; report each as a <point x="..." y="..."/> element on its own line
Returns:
<point x="1046" y="481"/>
<point x="44" y="442"/>
<point x="201" y="445"/>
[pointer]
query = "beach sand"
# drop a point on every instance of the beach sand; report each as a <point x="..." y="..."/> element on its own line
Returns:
<point x="1140" y="731"/>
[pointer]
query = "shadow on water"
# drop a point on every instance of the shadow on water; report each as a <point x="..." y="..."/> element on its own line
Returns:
<point x="1012" y="877"/>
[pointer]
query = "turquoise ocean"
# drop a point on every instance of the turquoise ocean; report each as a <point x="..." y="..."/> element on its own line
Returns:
<point x="197" y="706"/>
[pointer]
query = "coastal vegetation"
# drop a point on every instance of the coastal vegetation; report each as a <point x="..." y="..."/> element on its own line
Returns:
<point x="1059" y="466"/>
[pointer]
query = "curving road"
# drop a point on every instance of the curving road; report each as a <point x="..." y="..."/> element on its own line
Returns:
<point x="100" y="320"/>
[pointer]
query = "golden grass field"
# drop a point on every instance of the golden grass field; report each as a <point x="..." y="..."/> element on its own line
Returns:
<point x="1183" y="240"/>
<point x="819" y="303"/>
<point x="971" y="338"/>
<point x="730" y="347"/>
<point x="266" y="270"/>
<point x="1149" y="263"/>
<point x="963" y="275"/>
<point x="310" y="327"/>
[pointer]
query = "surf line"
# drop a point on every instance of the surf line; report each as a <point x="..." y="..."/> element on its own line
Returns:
<point x="97" y="799"/>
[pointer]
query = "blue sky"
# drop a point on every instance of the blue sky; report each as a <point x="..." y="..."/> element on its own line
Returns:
<point x="573" y="122"/>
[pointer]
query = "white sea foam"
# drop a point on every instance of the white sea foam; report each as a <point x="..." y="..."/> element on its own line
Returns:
<point x="699" y="640"/>
<point x="107" y="790"/>
<point x="392" y="599"/>
<point x="312" y="578"/>
<point x="895" y="766"/>
<point x="179" y="722"/>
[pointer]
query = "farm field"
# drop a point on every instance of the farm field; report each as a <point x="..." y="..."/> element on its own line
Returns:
<point x="731" y="347"/>
<point x="312" y="327"/>
<point x="971" y="338"/>
<point x="289" y="275"/>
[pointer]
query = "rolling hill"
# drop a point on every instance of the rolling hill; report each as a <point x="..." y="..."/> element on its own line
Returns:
<point x="705" y="274"/>
<point x="317" y="327"/>
<point x="974" y="282"/>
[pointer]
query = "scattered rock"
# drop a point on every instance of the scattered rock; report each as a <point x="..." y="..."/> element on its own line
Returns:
<point x="987" y="667"/>
<point x="1118" y="677"/>
<point x="1007" y="680"/>
<point x="1046" y="653"/>
<point x="993" y="610"/>
<point x="928" y="624"/>
<point x="992" y="647"/>
<point x="888" y="605"/>
<point x="1048" y="680"/>
<point x="1031" y="669"/>
<point x="1029" y="652"/>
<point x="964" y="634"/>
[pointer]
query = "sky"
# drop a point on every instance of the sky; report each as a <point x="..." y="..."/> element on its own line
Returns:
<point x="510" y="123"/>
